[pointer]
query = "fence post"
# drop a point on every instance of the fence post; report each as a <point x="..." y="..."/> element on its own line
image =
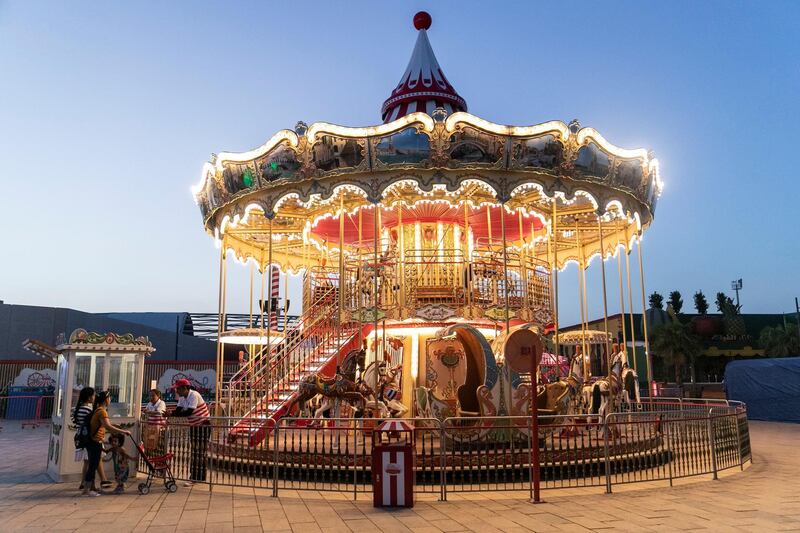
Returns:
<point x="712" y="443"/>
<point x="668" y="434"/>
<point x="442" y="463"/>
<point x="355" y="455"/>
<point x="275" y="427"/>
<point x="606" y="451"/>
<point x="530" y="455"/>
<point x="739" y="439"/>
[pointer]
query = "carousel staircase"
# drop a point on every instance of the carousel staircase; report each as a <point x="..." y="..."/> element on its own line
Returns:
<point x="261" y="391"/>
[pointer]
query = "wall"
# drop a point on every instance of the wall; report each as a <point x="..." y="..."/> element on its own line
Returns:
<point x="20" y="322"/>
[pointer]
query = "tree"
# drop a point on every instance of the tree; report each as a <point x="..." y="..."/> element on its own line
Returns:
<point x="656" y="301"/>
<point x="676" y="344"/>
<point x="700" y="303"/>
<point x="676" y="301"/>
<point x="780" y="341"/>
<point x="725" y="305"/>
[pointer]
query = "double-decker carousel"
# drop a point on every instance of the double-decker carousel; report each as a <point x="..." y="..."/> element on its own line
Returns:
<point x="429" y="247"/>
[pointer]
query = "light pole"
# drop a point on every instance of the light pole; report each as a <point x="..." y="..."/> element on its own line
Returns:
<point x="736" y="285"/>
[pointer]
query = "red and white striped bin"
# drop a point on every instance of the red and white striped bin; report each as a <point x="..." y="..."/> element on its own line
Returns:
<point x="393" y="464"/>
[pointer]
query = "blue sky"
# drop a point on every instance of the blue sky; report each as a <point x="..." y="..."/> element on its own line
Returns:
<point x="108" y="111"/>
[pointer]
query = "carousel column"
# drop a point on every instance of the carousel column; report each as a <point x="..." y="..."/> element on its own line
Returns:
<point x="467" y="263"/>
<point x="554" y="278"/>
<point x="340" y="310"/>
<point x="401" y="243"/>
<point x="505" y="264"/>
<point x="605" y="313"/>
<point x="266" y="355"/>
<point x="630" y="299"/>
<point x="523" y="264"/>
<point x="587" y="356"/>
<point x="220" y="329"/>
<point x="375" y="284"/>
<point x="621" y="294"/>
<point x="644" y="325"/>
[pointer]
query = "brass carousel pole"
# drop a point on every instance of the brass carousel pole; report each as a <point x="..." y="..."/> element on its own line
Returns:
<point x="220" y="329"/>
<point x="523" y="264"/>
<point x="605" y="311"/>
<point x="630" y="299"/>
<point x="375" y="281"/>
<point x="587" y="357"/>
<point x="269" y="307"/>
<point x="341" y="285"/>
<point x="644" y="324"/>
<point x="401" y="240"/>
<point x="554" y="230"/>
<point x="467" y="261"/>
<point x="621" y="292"/>
<point x="505" y="265"/>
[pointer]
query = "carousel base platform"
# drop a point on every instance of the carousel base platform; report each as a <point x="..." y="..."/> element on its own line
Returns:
<point x="314" y="453"/>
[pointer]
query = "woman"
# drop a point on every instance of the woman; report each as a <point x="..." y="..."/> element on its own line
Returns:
<point x="98" y="426"/>
<point x="155" y="412"/>
<point x="84" y="409"/>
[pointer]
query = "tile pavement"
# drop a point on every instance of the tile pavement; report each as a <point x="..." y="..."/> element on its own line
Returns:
<point x="765" y="497"/>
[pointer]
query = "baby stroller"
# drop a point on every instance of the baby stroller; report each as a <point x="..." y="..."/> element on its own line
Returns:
<point x="156" y="467"/>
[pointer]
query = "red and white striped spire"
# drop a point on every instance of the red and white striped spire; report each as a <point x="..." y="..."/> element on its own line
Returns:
<point x="423" y="86"/>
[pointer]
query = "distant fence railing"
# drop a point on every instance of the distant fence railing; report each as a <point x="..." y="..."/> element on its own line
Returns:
<point x="28" y="410"/>
<point x="652" y="442"/>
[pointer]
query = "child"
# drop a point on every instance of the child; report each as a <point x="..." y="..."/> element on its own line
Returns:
<point x="121" y="460"/>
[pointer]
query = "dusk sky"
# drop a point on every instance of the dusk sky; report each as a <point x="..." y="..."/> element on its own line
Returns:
<point x="109" y="110"/>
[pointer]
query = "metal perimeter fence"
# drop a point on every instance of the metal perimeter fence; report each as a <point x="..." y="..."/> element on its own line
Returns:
<point x="659" y="440"/>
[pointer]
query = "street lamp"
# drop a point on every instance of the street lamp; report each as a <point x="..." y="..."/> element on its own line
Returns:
<point x="736" y="285"/>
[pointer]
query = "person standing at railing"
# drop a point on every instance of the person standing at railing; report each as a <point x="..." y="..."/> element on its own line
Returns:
<point x="192" y="406"/>
<point x="155" y="412"/>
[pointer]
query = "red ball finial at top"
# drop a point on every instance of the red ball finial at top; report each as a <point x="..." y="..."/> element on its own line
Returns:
<point x="422" y="20"/>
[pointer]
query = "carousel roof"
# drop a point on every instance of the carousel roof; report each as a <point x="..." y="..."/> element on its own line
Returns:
<point x="572" y="194"/>
<point x="423" y="86"/>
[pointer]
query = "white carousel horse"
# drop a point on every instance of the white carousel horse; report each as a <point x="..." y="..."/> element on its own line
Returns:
<point x="387" y="393"/>
<point x="630" y="383"/>
<point x="575" y="382"/>
<point x="603" y="388"/>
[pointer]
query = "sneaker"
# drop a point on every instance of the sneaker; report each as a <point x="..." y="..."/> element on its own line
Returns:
<point x="119" y="490"/>
<point x="188" y="483"/>
<point x="91" y="493"/>
<point x="106" y="484"/>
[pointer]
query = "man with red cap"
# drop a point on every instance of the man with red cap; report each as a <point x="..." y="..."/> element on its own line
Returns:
<point x="194" y="408"/>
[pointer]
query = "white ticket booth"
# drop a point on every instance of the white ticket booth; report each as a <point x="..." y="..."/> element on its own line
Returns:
<point x="104" y="361"/>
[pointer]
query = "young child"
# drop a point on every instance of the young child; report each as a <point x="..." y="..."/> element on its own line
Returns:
<point x="121" y="460"/>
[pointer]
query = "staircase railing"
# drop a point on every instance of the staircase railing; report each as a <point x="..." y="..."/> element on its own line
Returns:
<point x="271" y="364"/>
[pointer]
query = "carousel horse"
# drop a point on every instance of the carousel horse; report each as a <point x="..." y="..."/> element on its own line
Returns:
<point x="575" y="382"/>
<point x="603" y="388"/>
<point x="386" y="400"/>
<point x="344" y="385"/>
<point x="630" y="383"/>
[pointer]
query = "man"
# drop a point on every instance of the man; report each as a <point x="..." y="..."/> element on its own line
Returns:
<point x="192" y="406"/>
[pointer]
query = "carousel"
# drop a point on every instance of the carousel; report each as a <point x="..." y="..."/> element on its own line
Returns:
<point x="430" y="247"/>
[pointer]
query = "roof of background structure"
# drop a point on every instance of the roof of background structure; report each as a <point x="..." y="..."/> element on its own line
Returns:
<point x="174" y="322"/>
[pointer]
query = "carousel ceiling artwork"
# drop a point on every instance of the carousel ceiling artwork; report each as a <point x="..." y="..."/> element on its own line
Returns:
<point x="429" y="149"/>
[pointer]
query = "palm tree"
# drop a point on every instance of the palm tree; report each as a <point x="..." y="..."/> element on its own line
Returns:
<point x="656" y="301"/>
<point x="700" y="303"/>
<point x="676" y="301"/>
<point x="676" y="344"/>
<point x="780" y="341"/>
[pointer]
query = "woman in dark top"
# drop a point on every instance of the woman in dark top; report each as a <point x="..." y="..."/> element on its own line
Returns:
<point x="97" y="429"/>
<point x="84" y="409"/>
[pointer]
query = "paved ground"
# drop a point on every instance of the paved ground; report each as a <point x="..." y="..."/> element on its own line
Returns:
<point x="765" y="497"/>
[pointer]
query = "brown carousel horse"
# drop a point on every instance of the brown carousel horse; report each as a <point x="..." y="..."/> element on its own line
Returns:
<point x="344" y="385"/>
